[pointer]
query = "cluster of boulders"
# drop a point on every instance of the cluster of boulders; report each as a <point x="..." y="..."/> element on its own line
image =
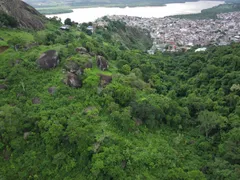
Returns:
<point x="74" y="70"/>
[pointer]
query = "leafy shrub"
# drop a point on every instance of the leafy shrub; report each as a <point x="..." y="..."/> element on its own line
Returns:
<point x="7" y="20"/>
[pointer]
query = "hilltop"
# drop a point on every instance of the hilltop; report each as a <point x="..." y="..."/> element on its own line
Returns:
<point x="18" y="13"/>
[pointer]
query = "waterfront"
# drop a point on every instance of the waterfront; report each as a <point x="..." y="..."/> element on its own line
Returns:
<point x="91" y="14"/>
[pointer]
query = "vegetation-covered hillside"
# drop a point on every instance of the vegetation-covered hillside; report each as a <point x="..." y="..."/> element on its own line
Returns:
<point x="102" y="111"/>
<point x="211" y="13"/>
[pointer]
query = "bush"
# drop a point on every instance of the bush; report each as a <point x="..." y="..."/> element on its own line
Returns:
<point x="7" y="20"/>
<point x="68" y="21"/>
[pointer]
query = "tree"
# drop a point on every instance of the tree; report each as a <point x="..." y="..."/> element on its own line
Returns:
<point x="7" y="20"/>
<point x="230" y="149"/>
<point x="208" y="121"/>
<point x="126" y="69"/>
<point x="68" y="21"/>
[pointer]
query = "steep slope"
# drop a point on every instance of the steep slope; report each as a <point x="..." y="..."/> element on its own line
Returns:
<point x="161" y="116"/>
<point x="26" y="15"/>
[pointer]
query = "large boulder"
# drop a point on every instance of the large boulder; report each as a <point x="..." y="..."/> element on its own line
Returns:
<point x="73" y="80"/>
<point x="102" y="63"/>
<point x="92" y="54"/>
<point x="81" y="50"/>
<point x="105" y="80"/>
<point x="88" y="65"/>
<point x="48" y="60"/>
<point x="73" y="67"/>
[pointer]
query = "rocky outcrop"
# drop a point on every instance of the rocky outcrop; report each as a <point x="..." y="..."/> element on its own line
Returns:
<point x="25" y="15"/>
<point x="52" y="90"/>
<point x="48" y="60"/>
<point x="88" y="65"/>
<point x="81" y="50"/>
<point x="25" y="135"/>
<point x="73" y="80"/>
<point x="102" y="63"/>
<point x="73" y="67"/>
<point x="105" y="80"/>
<point x="36" y="100"/>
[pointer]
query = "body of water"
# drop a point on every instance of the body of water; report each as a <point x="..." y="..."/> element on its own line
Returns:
<point x="91" y="14"/>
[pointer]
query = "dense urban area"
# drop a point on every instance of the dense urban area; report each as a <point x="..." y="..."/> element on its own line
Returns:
<point x="175" y="34"/>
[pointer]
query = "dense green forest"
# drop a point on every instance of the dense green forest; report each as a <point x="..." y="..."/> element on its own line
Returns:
<point x="162" y="116"/>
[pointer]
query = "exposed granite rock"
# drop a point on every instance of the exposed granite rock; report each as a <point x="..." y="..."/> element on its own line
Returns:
<point x="102" y="63"/>
<point x="81" y="50"/>
<point x="26" y="15"/>
<point x="36" y="100"/>
<point x="92" y="54"/>
<point x="88" y="65"/>
<point x="25" y="135"/>
<point x="105" y="80"/>
<point x="73" y="80"/>
<point x="73" y="67"/>
<point x="48" y="60"/>
<point x="52" y="90"/>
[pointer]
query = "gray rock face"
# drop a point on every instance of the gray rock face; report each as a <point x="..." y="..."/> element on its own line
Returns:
<point x="88" y="65"/>
<point x="52" y="90"/>
<point x="105" y="80"/>
<point x="92" y="54"/>
<point x="26" y="15"/>
<point x="73" y="67"/>
<point x="48" y="60"/>
<point x="36" y="100"/>
<point x="81" y="50"/>
<point x="73" y="80"/>
<point x="25" y="135"/>
<point x="102" y="63"/>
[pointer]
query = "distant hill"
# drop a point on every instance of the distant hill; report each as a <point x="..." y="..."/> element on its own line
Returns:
<point x="59" y="6"/>
<point x="44" y="3"/>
